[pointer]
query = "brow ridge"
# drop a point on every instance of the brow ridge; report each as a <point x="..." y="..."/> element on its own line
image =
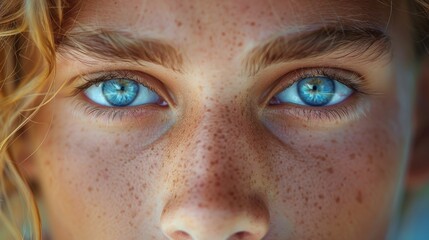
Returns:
<point x="368" y="43"/>
<point x="109" y="45"/>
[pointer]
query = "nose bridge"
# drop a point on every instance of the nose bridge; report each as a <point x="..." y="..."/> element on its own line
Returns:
<point x="217" y="159"/>
<point x="220" y="145"/>
<point x="213" y="194"/>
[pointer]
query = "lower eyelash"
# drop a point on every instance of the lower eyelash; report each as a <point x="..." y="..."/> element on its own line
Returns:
<point x="96" y="112"/>
<point x="342" y="112"/>
<point x="109" y="114"/>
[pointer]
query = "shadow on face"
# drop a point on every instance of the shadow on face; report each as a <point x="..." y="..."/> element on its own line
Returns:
<point x="227" y="120"/>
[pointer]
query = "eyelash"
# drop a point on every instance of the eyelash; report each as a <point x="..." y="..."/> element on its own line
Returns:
<point x="113" y="113"/>
<point x="111" y="75"/>
<point x="348" y="78"/>
<point x="338" y="112"/>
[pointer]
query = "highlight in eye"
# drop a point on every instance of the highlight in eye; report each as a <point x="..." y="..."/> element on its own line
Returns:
<point x="119" y="89"/>
<point x="120" y="96"/>
<point x="321" y="94"/>
<point x="314" y="91"/>
<point x="118" y="92"/>
<point x="121" y="93"/>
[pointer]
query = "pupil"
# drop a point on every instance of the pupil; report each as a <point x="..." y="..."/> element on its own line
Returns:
<point x="119" y="92"/>
<point x="316" y="91"/>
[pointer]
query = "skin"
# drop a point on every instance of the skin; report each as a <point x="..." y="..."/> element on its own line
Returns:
<point x="217" y="163"/>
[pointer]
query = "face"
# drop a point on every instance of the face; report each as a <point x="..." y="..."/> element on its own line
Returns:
<point x="227" y="120"/>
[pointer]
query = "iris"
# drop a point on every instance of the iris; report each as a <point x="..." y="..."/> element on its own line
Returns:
<point x="316" y="91"/>
<point x="120" y="92"/>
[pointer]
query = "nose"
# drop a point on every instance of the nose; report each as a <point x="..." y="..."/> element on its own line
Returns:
<point x="187" y="221"/>
<point x="215" y="189"/>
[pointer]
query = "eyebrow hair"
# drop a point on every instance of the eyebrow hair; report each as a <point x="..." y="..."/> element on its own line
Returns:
<point x="369" y="43"/>
<point x="108" y="45"/>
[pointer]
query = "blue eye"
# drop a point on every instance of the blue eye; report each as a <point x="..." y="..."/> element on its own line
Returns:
<point x="121" y="93"/>
<point x="314" y="91"/>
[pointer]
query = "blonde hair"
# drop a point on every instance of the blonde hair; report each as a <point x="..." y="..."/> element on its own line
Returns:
<point x="25" y="30"/>
<point x="33" y="29"/>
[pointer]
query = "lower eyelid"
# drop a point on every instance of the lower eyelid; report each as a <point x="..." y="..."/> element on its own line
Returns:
<point x="351" y="109"/>
<point x="111" y="115"/>
<point x="317" y="115"/>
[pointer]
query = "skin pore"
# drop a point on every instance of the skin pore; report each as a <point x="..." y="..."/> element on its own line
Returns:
<point x="220" y="161"/>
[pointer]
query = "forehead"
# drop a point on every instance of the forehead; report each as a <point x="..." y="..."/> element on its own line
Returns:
<point x="206" y="19"/>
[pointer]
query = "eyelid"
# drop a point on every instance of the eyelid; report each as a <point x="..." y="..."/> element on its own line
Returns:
<point x="145" y="79"/>
<point x="351" y="79"/>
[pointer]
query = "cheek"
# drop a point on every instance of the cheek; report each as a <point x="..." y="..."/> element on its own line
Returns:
<point x="108" y="175"/>
<point x="339" y="178"/>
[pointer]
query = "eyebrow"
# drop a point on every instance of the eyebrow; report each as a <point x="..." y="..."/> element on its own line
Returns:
<point x="367" y="43"/>
<point x="109" y="45"/>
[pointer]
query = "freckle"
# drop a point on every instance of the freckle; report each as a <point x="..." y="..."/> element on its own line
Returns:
<point x="214" y="162"/>
<point x="321" y="196"/>
<point x="359" y="197"/>
<point x="337" y="199"/>
<point x="126" y="145"/>
<point x="89" y="189"/>
<point x="352" y="156"/>
<point x="322" y="158"/>
<point x="376" y="136"/>
<point x="330" y="170"/>
<point x="252" y="23"/>
<point x="333" y="141"/>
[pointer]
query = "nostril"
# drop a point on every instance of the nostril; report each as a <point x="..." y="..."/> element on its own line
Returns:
<point x="181" y="235"/>
<point x="242" y="235"/>
<point x="186" y="220"/>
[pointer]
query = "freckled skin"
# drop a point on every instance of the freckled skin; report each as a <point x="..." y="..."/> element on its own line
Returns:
<point x="218" y="165"/>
